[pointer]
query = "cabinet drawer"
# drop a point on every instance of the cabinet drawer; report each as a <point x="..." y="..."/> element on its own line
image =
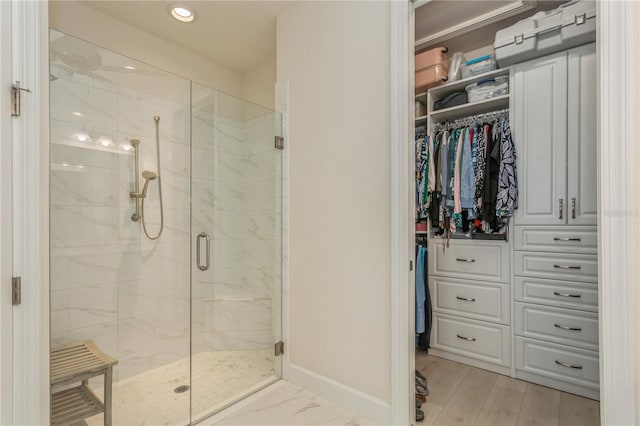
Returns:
<point x="574" y="239"/>
<point x="483" y="341"/>
<point x="571" y="365"/>
<point x="575" y="267"/>
<point x="471" y="299"/>
<point x="470" y="260"/>
<point x="563" y="294"/>
<point x="563" y="326"/>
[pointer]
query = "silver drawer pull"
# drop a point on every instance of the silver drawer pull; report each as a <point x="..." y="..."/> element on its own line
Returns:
<point x="460" y="259"/>
<point x="566" y="267"/>
<point x="577" y="367"/>
<point x="470" y="339"/>
<point x="566" y="239"/>
<point x="567" y="295"/>
<point x="465" y="299"/>
<point x="564" y="327"/>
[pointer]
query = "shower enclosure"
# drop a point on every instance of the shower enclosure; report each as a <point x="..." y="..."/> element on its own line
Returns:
<point x="192" y="316"/>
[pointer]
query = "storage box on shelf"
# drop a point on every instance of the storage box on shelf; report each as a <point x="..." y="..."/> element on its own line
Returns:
<point x="471" y="108"/>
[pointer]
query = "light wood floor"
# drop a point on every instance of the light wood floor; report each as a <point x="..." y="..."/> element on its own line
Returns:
<point x="464" y="395"/>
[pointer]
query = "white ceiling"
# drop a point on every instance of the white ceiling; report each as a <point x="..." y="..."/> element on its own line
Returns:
<point x="237" y="34"/>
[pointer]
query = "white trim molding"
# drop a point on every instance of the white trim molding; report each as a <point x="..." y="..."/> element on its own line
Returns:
<point x="6" y="255"/>
<point x="619" y="206"/>
<point x="351" y="399"/>
<point x="402" y="295"/>
<point x="30" y="168"/>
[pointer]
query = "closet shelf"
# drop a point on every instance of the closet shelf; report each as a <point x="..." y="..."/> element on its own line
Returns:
<point x="465" y="110"/>
<point x="421" y="121"/>
<point x="440" y="92"/>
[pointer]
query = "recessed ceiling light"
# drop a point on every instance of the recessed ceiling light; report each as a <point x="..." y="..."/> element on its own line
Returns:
<point x="129" y="67"/>
<point x="104" y="141"/>
<point x="77" y="114"/>
<point x="182" y="13"/>
<point x="82" y="137"/>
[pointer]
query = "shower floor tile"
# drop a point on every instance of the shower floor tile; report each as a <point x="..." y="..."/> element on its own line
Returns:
<point x="288" y="405"/>
<point x="150" y="398"/>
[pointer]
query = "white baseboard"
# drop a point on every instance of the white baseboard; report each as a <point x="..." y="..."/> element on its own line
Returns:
<point x="354" y="400"/>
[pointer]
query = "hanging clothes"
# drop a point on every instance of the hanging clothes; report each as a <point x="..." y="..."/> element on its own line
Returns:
<point x="424" y="318"/>
<point x="475" y="188"/>
<point x="507" y="200"/>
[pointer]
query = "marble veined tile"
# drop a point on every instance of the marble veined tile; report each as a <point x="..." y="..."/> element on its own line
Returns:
<point x="243" y="252"/>
<point x="258" y="195"/>
<point x="83" y="226"/>
<point x="149" y="397"/>
<point x="255" y="315"/>
<point x="78" y="156"/>
<point x="93" y="305"/>
<point x="221" y="315"/>
<point x="148" y="333"/>
<point x="135" y="116"/>
<point x="154" y="259"/>
<point x="145" y="296"/>
<point x="83" y="267"/>
<point x="291" y="405"/>
<point x="241" y="224"/>
<point x="255" y="339"/>
<point x="177" y="226"/>
<point x="83" y="186"/>
<point x="98" y="107"/>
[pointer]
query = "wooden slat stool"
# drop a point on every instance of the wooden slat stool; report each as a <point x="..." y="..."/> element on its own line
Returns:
<point x="78" y="362"/>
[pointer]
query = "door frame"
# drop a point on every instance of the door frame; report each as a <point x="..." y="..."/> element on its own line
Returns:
<point x="6" y="255"/>
<point x="26" y="153"/>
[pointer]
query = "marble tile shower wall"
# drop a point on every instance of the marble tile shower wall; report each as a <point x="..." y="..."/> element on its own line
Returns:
<point x="131" y="295"/>
<point x="109" y="283"/>
<point x="235" y="199"/>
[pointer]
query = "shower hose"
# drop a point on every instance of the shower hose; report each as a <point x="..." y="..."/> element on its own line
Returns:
<point x="156" y="118"/>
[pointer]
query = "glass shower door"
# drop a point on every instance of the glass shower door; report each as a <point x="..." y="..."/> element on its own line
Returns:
<point x="236" y="246"/>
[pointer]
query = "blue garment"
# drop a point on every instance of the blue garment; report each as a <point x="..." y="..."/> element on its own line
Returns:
<point x="467" y="176"/>
<point x="421" y="291"/>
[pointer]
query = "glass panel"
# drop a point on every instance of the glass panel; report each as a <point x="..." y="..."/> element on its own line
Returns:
<point x="111" y="284"/>
<point x="236" y="200"/>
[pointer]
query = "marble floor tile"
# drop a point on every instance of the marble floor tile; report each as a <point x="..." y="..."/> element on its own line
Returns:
<point x="290" y="405"/>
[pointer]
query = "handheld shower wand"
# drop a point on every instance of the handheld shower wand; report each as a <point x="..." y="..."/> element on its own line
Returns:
<point x="148" y="176"/>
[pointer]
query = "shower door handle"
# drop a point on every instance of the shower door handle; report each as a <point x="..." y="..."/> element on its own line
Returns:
<point x="198" y="244"/>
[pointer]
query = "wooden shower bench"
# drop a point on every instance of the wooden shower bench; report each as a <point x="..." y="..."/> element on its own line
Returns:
<point x="78" y="362"/>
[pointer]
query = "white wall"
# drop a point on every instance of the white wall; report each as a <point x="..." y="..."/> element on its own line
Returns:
<point x="335" y="56"/>
<point x="259" y="84"/>
<point x="93" y="26"/>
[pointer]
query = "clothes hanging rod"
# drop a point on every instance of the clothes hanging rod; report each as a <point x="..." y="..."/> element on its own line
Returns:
<point x="464" y="121"/>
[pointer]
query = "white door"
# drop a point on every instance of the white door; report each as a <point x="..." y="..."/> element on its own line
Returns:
<point x="540" y="117"/>
<point x="582" y="175"/>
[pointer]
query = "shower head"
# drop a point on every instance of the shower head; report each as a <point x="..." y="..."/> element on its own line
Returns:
<point x="148" y="176"/>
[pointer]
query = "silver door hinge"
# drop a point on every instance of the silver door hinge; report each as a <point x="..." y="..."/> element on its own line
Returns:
<point x="15" y="98"/>
<point x="16" y="290"/>
<point x="279" y="348"/>
<point x="279" y="142"/>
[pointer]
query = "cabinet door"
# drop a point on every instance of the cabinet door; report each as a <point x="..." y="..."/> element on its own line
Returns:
<point x="582" y="175"/>
<point x="540" y="120"/>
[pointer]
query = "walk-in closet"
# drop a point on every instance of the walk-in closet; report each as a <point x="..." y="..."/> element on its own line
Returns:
<point x="506" y="275"/>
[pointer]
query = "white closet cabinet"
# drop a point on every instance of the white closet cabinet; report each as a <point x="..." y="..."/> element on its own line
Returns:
<point x="555" y="263"/>
<point x="554" y="112"/>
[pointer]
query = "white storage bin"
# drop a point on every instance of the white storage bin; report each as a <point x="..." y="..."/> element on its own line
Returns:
<point x="487" y="88"/>
<point x="481" y="65"/>
<point x="570" y="25"/>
